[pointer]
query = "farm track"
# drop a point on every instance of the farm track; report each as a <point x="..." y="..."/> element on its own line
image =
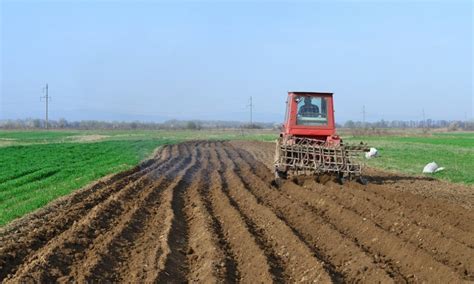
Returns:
<point x="206" y="211"/>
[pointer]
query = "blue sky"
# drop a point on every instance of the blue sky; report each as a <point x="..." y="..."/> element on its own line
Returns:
<point x="147" y="60"/>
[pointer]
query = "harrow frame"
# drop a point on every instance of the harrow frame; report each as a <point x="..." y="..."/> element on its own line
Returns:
<point x="308" y="156"/>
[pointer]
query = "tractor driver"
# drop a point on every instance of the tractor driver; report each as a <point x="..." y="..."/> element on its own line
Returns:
<point x="308" y="109"/>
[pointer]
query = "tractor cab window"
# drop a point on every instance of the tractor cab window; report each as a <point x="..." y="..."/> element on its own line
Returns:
<point x="312" y="111"/>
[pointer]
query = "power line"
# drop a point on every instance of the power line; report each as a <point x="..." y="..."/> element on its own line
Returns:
<point x="47" y="98"/>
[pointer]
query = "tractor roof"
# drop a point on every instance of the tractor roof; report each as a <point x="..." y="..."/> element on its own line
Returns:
<point x="311" y="93"/>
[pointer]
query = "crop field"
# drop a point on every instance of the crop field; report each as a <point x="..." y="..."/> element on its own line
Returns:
<point x="207" y="211"/>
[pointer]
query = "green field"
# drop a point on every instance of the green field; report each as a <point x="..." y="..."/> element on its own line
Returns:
<point x="454" y="151"/>
<point x="38" y="166"/>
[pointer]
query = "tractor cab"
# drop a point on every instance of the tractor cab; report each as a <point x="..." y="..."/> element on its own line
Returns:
<point x="310" y="115"/>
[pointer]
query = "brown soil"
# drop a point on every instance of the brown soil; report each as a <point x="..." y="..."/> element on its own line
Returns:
<point x="206" y="211"/>
<point x="87" y="138"/>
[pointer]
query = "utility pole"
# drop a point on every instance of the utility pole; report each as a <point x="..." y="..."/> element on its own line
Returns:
<point x="363" y="116"/>
<point x="47" y="98"/>
<point x="251" y="109"/>
<point x="424" y="122"/>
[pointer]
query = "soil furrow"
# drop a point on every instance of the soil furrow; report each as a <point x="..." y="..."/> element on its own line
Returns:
<point x="35" y="235"/>
<point x="145" y="256"/>
<point x="54" y="260"/>
<point x="454" y="226"/>
<point x="206" y="258"/>
<point x="435" y="213"/>
<point x="251" y="262"/>
<point x="296" y="260"/>
<point x="447" y="251"/>
<point x="444" y="251"/>
<point x="385" y="246"/>
<point x="430" y="223"/>
<point x="350" y="260"/>
<point x="431" y="210"/>
<point x="60" y="215"/>
<point x="175" y="266"/>
<point x="110" y="250"/>
<point x="230" y="263"/>
<point x="274" y="260"/>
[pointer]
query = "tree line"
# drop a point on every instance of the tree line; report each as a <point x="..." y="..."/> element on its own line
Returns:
<point x="33" y="123"/>
<point x="422" y="124"/>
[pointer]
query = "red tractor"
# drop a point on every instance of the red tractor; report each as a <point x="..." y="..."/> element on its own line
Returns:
<point x="308" y="143"/>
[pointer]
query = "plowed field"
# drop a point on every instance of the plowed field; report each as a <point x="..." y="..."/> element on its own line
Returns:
<point x="206" y="211"/>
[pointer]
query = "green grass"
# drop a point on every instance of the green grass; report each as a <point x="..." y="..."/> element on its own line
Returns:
<point x="455" y="152"/>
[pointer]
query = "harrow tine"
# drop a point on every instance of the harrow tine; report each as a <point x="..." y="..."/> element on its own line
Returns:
<point x="340" y="179"/>
<point x="276" y="183"/>
<point x="362" y="180"/>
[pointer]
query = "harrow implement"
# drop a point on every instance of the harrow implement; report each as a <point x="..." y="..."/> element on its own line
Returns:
<point x="308" y="156"/>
